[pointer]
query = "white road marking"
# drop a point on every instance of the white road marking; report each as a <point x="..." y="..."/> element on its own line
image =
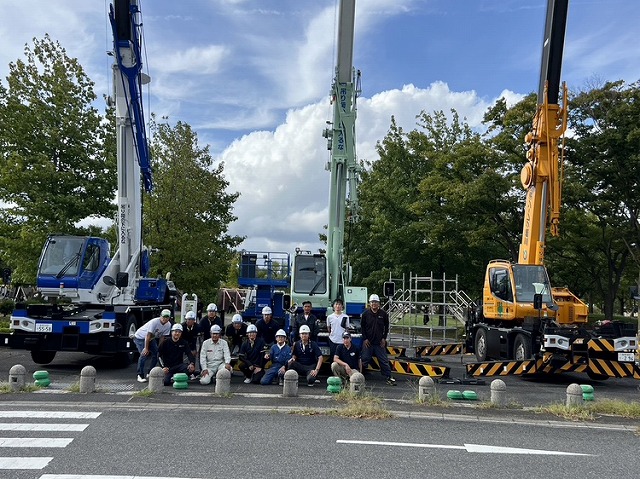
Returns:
<point x="9" y="426"/>
<point x="35" y="441"/>
<point x="24" y="462"/>
<point x="49" y="414"/>
<point x="474" y="448"/>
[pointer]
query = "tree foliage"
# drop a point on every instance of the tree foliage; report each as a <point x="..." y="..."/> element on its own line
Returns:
<point x="53" y="167"/>
<point x="187" y="215"/>
<point x="444" y="199"/>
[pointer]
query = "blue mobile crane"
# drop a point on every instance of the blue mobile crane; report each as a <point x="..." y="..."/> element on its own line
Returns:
<point x="95" y="300"/>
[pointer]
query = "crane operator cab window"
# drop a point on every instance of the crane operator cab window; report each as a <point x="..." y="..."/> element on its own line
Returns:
<point x="501" y="284"/>
<point x="531" y="280"/>
<point x="62" y="256"/>
<point x="310" y="275"/>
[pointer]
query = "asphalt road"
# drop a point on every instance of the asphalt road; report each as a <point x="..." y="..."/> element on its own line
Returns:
<point x="205" y="442"/>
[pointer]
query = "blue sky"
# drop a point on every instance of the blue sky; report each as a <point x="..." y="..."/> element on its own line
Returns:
<point x="252" y="77"/>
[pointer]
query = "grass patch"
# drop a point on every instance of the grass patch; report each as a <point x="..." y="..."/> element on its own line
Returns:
<point x="572" y="413"/>
<point x="590" y="410"/>
<point x="355" y="406"/>
<point x="434" y="400"/>
<point x="362" y="407"/>
<point x="74" y="388"/>
<point x="5" y="388"/>
<point x="144" y="393"/>
<point x="616" y="407"/>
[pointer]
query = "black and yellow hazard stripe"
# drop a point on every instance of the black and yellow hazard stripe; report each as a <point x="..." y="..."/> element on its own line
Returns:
<point x="440" y="349"/>
<point x="412" y="369"/>
<point x="614" y="369"/>
<point x="601" y="345"/>
<point x="567" y="367"/>
<point x="502" y="368"/>
<point x="396" y="351"/>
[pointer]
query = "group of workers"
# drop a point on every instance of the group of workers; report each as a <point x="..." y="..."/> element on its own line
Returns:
<point x="262" y="349"/>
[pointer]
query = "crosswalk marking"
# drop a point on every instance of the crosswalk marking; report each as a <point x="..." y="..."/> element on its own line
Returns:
<point x="35" y="441"/>
<point x="9" y="426"/>
<point x="24" y="462"/>
<point x="49" y="414"/>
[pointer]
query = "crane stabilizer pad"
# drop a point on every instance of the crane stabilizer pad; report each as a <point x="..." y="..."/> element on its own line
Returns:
<point x="614" y="369"/>
<point x="411" y="368"/>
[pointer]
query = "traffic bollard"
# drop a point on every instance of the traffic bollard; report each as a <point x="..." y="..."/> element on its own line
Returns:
<point x="290" y="387"/>
<point x="574" y="395"/>
<point x="156" y="380"/>
<point x="16" y="377"/>
<point x="88" y="379"/>
<point x="498" y="392"/>
<point x="223" y="381"/>
<point x="426" y="388"/>
<point x="356" y="383"/>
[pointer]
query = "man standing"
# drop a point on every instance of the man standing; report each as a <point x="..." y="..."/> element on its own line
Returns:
<point x="236" y="332"/>
<point x="306" y="357"/>
<point x="146" y="340"/>
<point x="214" y="356"/>
<point x="267" y="327"/>
<point x="209" y="320"/>
<point x="305" y="318"/>
<point x="346" y="360"/>
<point x="375" y="329"/>
<point x="172" y="353"/>
<point x="337" y="323"/>
<point x="252" y="356"/>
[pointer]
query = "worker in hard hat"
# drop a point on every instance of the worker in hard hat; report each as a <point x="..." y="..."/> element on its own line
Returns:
<point x="172" y="353"/>
<point x="252" y="356"/>
<point x="279" y="355"/>
<point x="235" y="334"/>
<point x="214" y="355"/>
<point x="146" y="339"/>
<point x="190" y="331"/>
<point x="306" y="357"/>
<point x="209" y="320"/>
<point x="267" y="326"/>
<point x="375" y="329"/>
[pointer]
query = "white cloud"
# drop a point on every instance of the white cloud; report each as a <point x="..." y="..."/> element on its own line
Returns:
<point x="194" y="60"/>
<point x="281" y="174"/>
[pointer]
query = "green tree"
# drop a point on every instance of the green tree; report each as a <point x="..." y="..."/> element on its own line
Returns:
<point x="602" y="179"/>
<point x="54" y="170"/>
<point x="187" y="215"/>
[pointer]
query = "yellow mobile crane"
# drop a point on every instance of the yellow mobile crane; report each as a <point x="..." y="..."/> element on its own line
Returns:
<point x="522" y="317"/>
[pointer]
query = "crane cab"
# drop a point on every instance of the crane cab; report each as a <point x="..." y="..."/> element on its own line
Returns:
<point x="71" y="263"/>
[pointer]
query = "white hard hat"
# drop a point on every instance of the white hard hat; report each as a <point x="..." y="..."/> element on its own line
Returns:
<point x="252" y="328"/>
<point x="176" y="327"/>
<point x="236" y="318"/>
<point x="374" y="297"/>
<point x="216" y="329"/>
<point x="190" y="315"/>
<point x="212" y="307"/>
<point x="281" y="332"/>
<point x="166" y="313"/>
<point x="304" y="329"/>
<point x="267" y="310"/>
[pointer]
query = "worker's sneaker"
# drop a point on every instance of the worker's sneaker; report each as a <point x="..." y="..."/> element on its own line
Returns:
<point x="141" y="379"/>
<point x="247" y="380"/>
<point x="280" y="382"/>
<point x="311" y="384"/>
<point x="391" y="381"/>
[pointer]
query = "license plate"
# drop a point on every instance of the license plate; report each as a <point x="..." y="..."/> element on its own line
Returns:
<point x="324" y="350"/>
<point x="44" y="328"/>
<point x="626" y="357"/>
